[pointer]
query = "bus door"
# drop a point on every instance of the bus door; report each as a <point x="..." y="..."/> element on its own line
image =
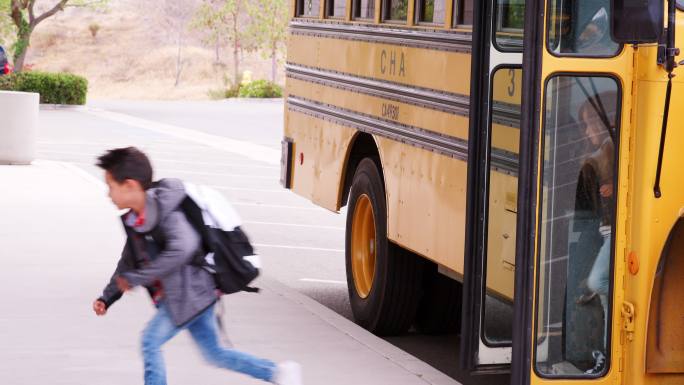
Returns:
<point x="540" y="297"/>
<point x="494" y="140"/>
<point x="577" y="80"/>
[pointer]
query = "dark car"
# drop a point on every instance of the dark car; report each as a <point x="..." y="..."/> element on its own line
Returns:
<point x="5" y="67"/>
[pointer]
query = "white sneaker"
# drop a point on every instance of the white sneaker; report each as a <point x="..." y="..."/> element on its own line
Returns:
<point x="288" y="373"/>
<point x="600" y="362"/>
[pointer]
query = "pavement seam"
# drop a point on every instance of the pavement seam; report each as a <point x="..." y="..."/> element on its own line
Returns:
<point x="249" y="150"/>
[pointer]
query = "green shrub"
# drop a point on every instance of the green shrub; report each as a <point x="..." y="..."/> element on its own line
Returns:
<point x="216" y="94"/>
<point x="260" y="89"/>
<point x="224" y="93"/>
<point x="94" y="29"/>
<point x="7" y="82"/>
<point x="53" y="88"/>
<point x="233" y="91"/>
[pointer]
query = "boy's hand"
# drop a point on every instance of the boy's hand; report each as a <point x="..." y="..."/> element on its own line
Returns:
<point x="99" y="307"/>
<point x="122" y="284"/>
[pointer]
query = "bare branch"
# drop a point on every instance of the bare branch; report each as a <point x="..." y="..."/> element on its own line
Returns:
<point x="58" y="7"/>
<point x="32" y="16"/>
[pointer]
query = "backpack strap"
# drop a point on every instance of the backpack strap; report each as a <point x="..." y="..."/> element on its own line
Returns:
<point x="221" y="325"/>
<point x="193" y="213"/>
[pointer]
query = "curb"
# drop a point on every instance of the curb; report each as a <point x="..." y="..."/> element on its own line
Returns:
<point x="252" y="100"/>
<point x="390" y="352"/>
<point x="67" y="107"/>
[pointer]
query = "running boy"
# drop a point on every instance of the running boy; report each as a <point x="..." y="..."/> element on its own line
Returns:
<point x="159" y="249"/>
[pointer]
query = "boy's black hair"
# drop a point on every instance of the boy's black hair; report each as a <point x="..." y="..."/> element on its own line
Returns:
<point x="127" y="163"/>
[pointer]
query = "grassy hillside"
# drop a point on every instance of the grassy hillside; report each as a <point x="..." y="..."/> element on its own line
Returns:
<point x="134" y="54"/>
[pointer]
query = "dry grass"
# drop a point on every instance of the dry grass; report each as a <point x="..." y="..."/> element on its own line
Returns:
<point x="131" y="58"/>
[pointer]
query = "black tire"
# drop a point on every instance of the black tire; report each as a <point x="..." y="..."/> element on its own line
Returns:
<point x="440" y="307"/>
<point x="391" y="304"/>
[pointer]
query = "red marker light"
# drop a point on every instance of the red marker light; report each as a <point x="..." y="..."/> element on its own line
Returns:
<point x="301" y="158"/>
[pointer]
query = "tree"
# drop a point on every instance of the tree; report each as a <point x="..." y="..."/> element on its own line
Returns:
<point x="269" y="20"/>
<point x="174" y="17"/>
<point x="25" y="19"/>
<point x="208" y="19"/>
<point x="220" y="19"/>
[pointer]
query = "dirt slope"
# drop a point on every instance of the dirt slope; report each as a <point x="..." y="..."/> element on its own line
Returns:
<point x="133" y="55"/>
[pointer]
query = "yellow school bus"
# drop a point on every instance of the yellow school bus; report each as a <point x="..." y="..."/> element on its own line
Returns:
<point x="507" y="166"/>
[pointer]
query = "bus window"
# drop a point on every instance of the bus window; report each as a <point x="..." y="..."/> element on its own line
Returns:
<point x="509" y="25"/>
<point x="308" y="8"/>
<point x="364" y="9"/>
<point x="464" y="12"/>
<point x="502" y="206"/>
<point x="336" y="8"/>
<point x="576" y="234"/>
<point x="395" y="10"/>
<point x="431" y="11"/>
<point x="580" y="28"/>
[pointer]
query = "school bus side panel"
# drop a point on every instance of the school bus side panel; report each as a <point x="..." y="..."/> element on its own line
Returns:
<point x="320" y="149"/>
<point x="411" y="66"/>
<point x="425" y="201"/>
<point x="653" y="218"/>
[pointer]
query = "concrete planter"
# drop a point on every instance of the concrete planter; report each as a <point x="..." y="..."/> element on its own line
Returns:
<point x="18" y="127"/>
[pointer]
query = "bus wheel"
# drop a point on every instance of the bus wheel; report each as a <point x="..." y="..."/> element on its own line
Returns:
<point x="384" y="281"/>
<point x="440" y="308"/>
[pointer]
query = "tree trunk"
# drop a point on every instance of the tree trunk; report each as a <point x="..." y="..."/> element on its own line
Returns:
<point x="274" y="63"/>
<point x="19" y="59"/>
<point x="179" y="59"/>
<point x="22" y="51"/>
<point x="236" y="65"/>
<point x="236" y="50"/>
<point x="218" y="47"/>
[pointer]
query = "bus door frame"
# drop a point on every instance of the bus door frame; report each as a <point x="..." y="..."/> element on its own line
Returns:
<point x="476" y="357"/>
<point x="533" y="42"/>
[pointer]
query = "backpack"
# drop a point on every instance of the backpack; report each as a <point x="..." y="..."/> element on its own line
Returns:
<point x="229" y="255"/>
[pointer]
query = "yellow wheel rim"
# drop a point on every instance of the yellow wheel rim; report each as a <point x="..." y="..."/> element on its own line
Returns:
<point x="363" y="246"/>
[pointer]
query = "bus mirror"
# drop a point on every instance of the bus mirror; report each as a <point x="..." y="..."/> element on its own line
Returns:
<point x="637" y="21"/>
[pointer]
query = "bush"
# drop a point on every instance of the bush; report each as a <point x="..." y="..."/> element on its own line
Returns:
<point x="233" y="91"/>
<point x="224" y="93"/>
<point x="53" y="88"/>
<point x="260" y="89"/>
<point x="94" y="29"/>
<point x="7" y="82"/>
<point x="216" y="94"/>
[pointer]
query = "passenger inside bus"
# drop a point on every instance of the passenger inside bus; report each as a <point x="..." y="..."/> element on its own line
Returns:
<point x="580" y="143"/>
<point x="595" y="196"/>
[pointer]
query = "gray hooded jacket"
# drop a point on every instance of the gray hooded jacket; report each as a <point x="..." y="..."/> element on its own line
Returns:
<point x="162" y="250"/>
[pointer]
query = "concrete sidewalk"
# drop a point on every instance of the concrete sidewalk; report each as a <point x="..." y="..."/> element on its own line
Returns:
<point x="60" y="239"/>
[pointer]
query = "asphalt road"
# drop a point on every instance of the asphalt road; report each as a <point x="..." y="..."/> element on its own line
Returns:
<point x="301" y="244"/>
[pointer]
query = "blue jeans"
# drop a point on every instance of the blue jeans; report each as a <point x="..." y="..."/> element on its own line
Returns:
<point x="599" y="280"/>
<point x="204" y="331"/>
